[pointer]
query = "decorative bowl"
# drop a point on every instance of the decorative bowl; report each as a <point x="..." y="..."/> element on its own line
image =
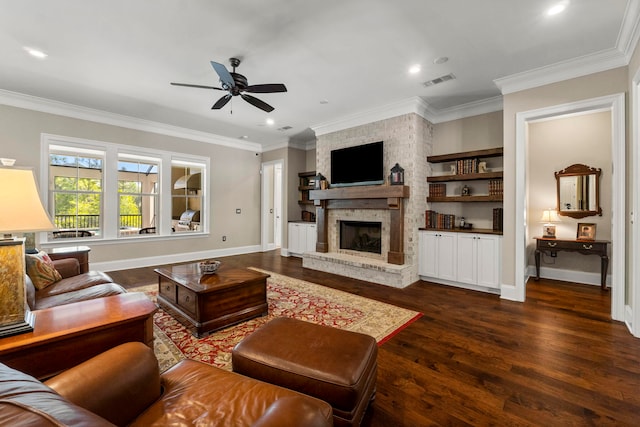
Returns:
<point x="210" y="266"/>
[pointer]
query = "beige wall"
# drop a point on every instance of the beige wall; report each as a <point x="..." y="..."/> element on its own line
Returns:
<point x="471" y="133"/>
<point x="554" y="145"/>
<point x="582" y="88"/>
<point x="230" y="168"/>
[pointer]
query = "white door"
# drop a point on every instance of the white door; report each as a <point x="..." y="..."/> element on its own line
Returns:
<point x="428" y="254"/>
<point x="489" y="256"/>
<point x="277" y="205"/>
<point x="447" y="243"/>
<point x="467" y="259"/>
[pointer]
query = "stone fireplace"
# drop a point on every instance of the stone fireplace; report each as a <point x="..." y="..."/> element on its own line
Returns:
<point x="398" y="209"/>
<point x="361" y="236"/>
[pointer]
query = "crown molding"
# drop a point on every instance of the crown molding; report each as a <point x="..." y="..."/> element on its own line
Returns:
<point x="44" y="105"/>
<point x="475" y="108"/>
<point x="560" y="71"/>
<point x="412" y="105"/>
<point x="629" y="30"/>
<point x="578" y="67"/>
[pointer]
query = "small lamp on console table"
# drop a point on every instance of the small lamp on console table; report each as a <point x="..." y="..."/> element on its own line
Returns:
<point x="549" y="217"/>
<point x="20" y="211"/>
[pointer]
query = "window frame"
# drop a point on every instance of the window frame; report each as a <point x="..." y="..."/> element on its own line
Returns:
<point x="110" y="220"/>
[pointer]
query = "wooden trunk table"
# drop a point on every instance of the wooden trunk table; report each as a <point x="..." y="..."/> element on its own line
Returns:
<point x="67" y="335"/>
<point x="207" y="302"/>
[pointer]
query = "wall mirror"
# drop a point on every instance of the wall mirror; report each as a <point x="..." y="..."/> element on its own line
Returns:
<point x="578" y="191"/>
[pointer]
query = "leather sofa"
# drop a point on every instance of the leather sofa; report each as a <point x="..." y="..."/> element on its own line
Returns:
<point x="123" y="387"/>
<point x="75" y="286"/>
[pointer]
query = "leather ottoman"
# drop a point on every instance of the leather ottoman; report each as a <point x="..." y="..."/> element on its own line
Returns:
<point x="331" y="364"/>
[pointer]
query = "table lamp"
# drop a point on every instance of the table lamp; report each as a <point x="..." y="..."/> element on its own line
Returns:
<point x="20" y="211"/>
<point x="549" y="216"/>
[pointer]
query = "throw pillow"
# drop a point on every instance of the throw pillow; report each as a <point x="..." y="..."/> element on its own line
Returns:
<point x="41" y="270"/>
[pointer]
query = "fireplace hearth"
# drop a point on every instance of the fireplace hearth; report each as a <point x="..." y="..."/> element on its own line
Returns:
<point x="362" y="236"/>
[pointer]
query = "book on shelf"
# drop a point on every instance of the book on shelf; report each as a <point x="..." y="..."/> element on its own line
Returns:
<point x="497" y="219"/>
<point x="437" y="190"/>
<point x="496" y="187"/>
<point x="434" y="219"/>
<point x="466" y="166"/>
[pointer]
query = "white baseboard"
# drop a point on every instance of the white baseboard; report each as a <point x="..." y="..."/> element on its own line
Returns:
<point x="569" y="275"/>
<point x="126" y="264"/>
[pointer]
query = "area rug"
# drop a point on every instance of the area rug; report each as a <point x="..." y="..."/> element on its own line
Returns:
<point x="286" y="297"/>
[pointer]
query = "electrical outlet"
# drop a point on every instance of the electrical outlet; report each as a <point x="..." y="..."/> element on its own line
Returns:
<point x="554" y="254"/>
<point x="238" y="210"/>
<point x="224" y="238"/>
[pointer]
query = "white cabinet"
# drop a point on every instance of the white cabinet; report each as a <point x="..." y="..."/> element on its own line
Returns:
<point x="460" y="258"/>
<point x="437" y="254"/>
<point x="478" y="259"/>
<point x="302" y="238"/>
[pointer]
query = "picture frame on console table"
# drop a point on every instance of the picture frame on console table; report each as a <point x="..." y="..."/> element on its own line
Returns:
<point x="586" y="231"/>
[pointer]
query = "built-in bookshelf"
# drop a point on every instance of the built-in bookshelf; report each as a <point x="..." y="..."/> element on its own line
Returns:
<point x="453" y="185"/>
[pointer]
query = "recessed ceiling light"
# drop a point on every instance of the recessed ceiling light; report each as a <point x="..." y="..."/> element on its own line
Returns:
<point x="440" y="60"/>
<point x="415" y="69"/>
<point x="270" y="121"/>
<point x="243" y="137"/>
<point x="324" y="101"/>
<point x="35" y="53"/>
<point x="557" y="8"/>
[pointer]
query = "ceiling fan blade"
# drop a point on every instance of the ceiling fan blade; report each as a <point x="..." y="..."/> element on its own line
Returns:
<point x="225" y="76"/>
<point x="221" y="102"/>
<point x="257" y="103"/>
<point x="266" y="88"/>
<point x="198" y="86"/>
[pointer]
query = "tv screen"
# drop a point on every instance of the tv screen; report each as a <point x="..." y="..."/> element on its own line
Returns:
<point x="359" y="165"/>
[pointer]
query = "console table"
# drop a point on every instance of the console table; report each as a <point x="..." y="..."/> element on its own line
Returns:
<point x="585" y="247"/>
<point x="67" y="335"/>
<point x="81" y="253"/>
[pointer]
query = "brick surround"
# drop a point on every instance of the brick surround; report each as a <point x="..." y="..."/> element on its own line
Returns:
<point x="407" y="141"/>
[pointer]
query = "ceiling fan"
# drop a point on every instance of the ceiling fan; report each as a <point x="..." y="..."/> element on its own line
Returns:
<point x="236" y="84"/>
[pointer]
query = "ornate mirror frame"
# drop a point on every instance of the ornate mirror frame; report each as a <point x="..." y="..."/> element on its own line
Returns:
<point x="578" y="191"/>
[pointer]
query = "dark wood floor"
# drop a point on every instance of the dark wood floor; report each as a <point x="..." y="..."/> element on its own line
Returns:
<point x="474" y="359"/>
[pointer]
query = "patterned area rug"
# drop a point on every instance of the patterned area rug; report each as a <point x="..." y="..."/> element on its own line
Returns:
<point x="286" y="297"/>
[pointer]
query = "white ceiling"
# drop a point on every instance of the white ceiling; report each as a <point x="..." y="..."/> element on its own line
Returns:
<point x="120" y="55"/>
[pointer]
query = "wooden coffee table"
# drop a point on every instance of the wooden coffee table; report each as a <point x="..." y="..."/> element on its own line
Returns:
<point x="207" y="302"/>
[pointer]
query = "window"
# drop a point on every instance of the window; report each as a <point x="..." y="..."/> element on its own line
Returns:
<point x="100" y="190"/>
<point x="138" y="195"/>
<point x="76" y="181"/>
<point x="186" y="196"/>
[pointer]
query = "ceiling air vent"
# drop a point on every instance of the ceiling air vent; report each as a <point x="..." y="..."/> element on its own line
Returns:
<point x="439" y="80"/>
<point x="283" y="128"/>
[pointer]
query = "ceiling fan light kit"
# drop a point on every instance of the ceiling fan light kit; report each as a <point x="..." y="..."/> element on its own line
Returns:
<point x="236" y="84"/>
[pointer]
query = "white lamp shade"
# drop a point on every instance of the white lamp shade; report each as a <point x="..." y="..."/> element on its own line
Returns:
<point x="21" y="209"/>
<point x="550" y="216"/>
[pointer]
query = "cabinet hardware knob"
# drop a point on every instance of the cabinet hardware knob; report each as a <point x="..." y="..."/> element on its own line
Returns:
<point x="186" y="299"/>
<point x="587" y="247"/>
<point x="553" y="245"/>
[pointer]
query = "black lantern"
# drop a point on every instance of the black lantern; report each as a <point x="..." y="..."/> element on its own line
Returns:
<point x="397" y="175"/>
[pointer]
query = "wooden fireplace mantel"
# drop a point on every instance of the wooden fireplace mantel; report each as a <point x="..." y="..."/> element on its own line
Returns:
<point x="388" y="197"/>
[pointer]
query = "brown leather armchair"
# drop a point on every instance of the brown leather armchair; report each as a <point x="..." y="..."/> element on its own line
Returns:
<point x="75" y="286"/>
<point x="123" y="387"/>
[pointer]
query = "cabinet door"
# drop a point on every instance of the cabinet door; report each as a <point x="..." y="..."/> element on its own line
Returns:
<point x="489" y="256"/>
<point x="427" y="253"/>
<point x="294" y="238"/>
<point x="467" y="260"/>
<point x="447" y="243"/>
<point x="312" y="237"/>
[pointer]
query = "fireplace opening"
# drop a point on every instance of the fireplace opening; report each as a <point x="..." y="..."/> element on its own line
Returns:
<point x="361" y="236"/>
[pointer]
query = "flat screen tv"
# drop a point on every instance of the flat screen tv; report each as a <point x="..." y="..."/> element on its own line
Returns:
<point x="359" y="165"/>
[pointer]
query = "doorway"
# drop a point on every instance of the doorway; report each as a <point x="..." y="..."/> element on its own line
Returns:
<point x="615" y="105"/>
<point x="271" y="217"/>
